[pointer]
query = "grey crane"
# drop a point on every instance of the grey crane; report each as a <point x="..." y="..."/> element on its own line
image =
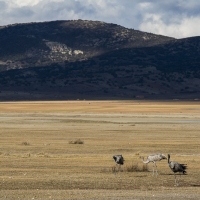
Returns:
<point x="154" y="158"/>
<point x="119" y="160"/>
<point x="176" y="167"/>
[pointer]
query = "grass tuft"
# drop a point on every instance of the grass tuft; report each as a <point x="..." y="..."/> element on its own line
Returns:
<point x="136" y="168"/>
<point x="78" y="141"/>
<point x="117" y="169"/>
<point x="137" y="153"/>
<point x="25" y="143"/>
<point x="42" y="154"/>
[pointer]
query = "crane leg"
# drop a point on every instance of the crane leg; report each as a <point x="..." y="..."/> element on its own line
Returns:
<point x="115" y="169"/>
<point x="153" y="169"/>
<point x="179" y="179"/>
<point x="156" y="170"/>
<point x="175" y="180"/>
<point x="119" y="170"/>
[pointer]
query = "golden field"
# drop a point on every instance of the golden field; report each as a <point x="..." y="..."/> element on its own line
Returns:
<point x="39" y="160"/>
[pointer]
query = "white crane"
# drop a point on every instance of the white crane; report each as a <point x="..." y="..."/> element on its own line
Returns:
<point x="154" y="158"/>
<point x="176" y="167"/>
<point x="119" y="160"/>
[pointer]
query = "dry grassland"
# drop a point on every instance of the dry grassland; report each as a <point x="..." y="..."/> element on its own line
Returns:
<point x="39" y="157"/>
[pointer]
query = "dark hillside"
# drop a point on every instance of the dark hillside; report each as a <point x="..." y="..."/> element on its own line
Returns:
<point x="94" y="60"/>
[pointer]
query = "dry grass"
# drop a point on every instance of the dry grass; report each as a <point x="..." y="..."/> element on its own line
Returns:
<point x="77" y="141"/>
<point x="38" y="161"/>
<point x="25" y="143"/>
<point x="137" y="168"/>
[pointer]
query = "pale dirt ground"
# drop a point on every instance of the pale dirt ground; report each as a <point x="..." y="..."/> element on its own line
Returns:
<point x="37" y="161"/>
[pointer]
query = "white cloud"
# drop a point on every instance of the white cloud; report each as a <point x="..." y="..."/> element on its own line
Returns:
<point x="185" y="27"/>
<point x="20" y="3"/>
<point x="176" y="18"/>
<point x="29" y="2"/>
<point x="189" y="27"/>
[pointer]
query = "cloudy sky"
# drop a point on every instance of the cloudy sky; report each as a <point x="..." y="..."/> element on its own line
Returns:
<point x="176" y="18"/>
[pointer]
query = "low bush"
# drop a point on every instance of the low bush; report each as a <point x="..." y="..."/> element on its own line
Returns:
<point x="25" y="143"/>
<point x="137" y="168"/>
<point x="78" y="141"/>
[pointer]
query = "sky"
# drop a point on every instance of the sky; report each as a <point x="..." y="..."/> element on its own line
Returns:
<point x="175" y="18"/>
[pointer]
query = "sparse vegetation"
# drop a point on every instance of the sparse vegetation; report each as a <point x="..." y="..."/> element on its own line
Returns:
<point x="68" y="60"/>
<point x="136" y="168"/>
<point x="51" y="168"/>
<point x="77" y="141"/>
<point x="25" y="143"/>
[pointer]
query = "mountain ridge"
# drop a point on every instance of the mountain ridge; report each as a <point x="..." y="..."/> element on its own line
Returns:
<point x="82" y="59"/>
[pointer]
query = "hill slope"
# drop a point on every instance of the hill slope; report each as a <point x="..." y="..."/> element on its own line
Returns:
<point x="95" y="60"/>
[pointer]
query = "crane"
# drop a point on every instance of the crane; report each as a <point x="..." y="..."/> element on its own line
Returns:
<point x="119" y="160"/>
<point x="154" y="158"/>
<point x="176" y="167"/>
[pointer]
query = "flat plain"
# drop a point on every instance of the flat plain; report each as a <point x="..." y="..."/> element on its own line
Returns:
<point x="40" y="157"/>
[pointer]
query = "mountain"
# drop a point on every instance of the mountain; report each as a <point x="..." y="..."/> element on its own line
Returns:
<point x="80" y="59"/>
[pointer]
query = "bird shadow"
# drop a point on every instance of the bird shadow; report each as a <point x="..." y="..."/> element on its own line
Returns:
<point x="141" y="176"/>
<point x="195" y="185"/>
<point x="172" y="174"/>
